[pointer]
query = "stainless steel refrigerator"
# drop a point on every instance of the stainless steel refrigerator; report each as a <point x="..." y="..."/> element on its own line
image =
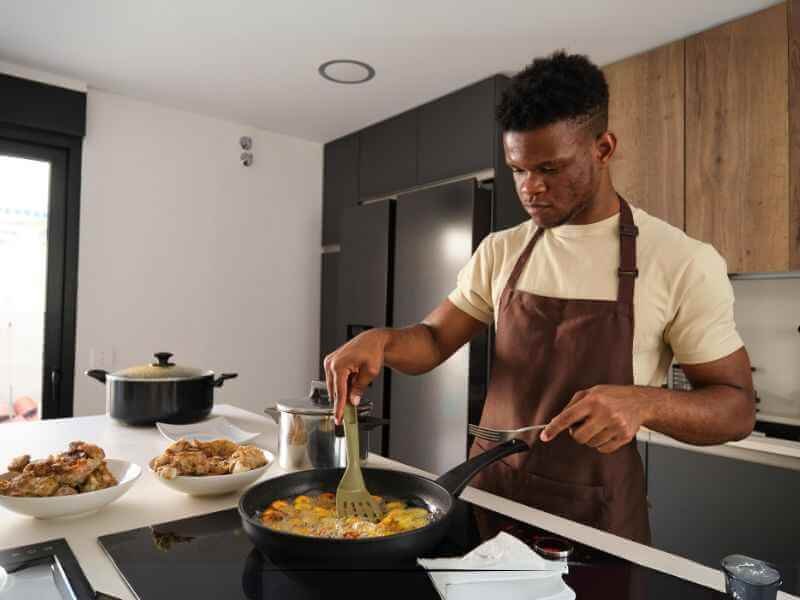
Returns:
<point x="435" y="232"/>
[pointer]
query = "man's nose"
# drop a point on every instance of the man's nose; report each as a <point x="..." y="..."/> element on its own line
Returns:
<point x="531" y="186"/>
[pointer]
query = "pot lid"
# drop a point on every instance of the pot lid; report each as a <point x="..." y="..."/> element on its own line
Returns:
<point x="318" y="402"/>
<point x="160" y="370"/>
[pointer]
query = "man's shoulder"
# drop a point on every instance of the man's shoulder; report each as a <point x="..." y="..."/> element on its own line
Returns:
<point x="670" y="246"/>
<point x="512" y="239"/>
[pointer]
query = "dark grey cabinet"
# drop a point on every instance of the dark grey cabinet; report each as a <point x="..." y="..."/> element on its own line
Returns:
<point x="705" y="507"/>
<point x="456" y="133"/>
<point x="340" y="184"/>
<point x="332" y="330"/>
<point x="388" y="156"/>
<point x="364" y="285"/>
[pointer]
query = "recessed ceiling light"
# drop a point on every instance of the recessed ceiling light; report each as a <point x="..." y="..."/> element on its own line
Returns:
<point x="346" y="71"/>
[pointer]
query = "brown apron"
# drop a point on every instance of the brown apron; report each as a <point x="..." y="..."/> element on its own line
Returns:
<point x="546" y="349"/>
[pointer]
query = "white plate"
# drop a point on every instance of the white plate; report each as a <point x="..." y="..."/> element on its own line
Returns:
<point x="211" y="485"/>
<point x="61" y="506"/>
<point x="212" y="429"/>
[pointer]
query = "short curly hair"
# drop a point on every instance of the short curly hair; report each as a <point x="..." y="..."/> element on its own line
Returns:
<point x="555" y="88"/>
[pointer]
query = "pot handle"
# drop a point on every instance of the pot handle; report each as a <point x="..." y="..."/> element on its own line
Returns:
<point x="368" y="422"/>
<point x="457" y="478"/>
<point x="273" y="412"/>
<point x="98" y="374"/>
<point x="221" y="379"/>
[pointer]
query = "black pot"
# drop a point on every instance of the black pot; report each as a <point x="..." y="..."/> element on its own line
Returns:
<point x="161" y="391"/>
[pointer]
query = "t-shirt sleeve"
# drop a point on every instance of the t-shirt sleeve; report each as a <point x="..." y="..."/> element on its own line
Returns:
<point x="473" y="293"/>
<point x="703" y="329"/>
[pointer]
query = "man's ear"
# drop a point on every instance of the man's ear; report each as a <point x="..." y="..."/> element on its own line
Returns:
<point x="604" y="147"/>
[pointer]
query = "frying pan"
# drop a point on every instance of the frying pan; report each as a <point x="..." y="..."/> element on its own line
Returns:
<point x="437" y="496"/>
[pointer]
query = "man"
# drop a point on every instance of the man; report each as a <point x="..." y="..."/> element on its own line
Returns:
<point x="591" y="298"/>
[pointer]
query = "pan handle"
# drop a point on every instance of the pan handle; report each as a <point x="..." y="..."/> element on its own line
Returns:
<point x="457" y="478"/>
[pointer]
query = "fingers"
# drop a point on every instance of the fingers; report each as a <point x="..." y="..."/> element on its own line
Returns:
<point x="564" y="420"/>
<point x="587" y="430"/>
<point x="340" y="379"/>
<point x="359" y="383"/>
<point x="601" y="438"/>
<point x="612" y="445"/>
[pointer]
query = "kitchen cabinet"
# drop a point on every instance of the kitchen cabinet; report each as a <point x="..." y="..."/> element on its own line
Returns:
<point x="646" y="112"/>
<point x="340" y="184"/>
<point x="388" y="156"/>
<point x="456" y="133"/>
<point x="737" y="141"/>
<point x="364" y="286"/>
<point x="705" y="507"/>
<point x="332" y="330"/>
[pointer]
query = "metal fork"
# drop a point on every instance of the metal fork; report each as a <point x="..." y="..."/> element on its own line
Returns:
<point x="500" y="435"/>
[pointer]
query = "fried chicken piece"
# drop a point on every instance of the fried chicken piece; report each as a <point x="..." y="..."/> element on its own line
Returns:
<point x="247" y="458"/>
<point x="190" y="463"/>
<point x="99" y="479"/>
<point x="221" y="448"/>
<point x="182" y="445"/>
<point x="31" y="485"/>
<point x="218" y="466"/>
<point x="75" y="472"/>
<point x="65" y="490"/>
<point x="39" y="468"/>
<point x="19" y="463"/>
<point x="5" y="485"/>
<point x="87" y="450"/>
<point x="167" y="472"/>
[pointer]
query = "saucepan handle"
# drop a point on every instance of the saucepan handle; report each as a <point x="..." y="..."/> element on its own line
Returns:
<point x="98" y="374"/>
<point x="457" y="478"/>
<point x="221" y="379"/>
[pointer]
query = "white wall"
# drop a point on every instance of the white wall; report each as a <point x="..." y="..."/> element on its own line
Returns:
<point x="183" y="249"/>
<point x="767" y="316"/>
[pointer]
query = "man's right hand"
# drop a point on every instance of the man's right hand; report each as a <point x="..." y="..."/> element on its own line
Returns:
<point x="351" y="368"/>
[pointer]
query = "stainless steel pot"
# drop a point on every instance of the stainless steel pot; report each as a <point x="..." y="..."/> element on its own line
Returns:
<point x="308" y="437"/>
<point x="160" y="391"/>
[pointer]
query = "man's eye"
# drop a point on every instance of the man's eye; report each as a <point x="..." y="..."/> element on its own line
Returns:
<point x="515" y="170"/>
<point x="549" y="170"/>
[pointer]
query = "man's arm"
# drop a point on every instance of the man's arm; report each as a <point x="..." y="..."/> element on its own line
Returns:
<point x="720" y="409"/>
<point x="412" y="350"/>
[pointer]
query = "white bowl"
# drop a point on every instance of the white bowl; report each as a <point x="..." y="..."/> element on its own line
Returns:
<point x="50" y="507"/>
<point x="210" y="429"/>
<point x="211" y="485"/>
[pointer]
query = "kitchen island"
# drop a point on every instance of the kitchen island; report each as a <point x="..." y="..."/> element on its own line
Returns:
<point x="150" y="502"/>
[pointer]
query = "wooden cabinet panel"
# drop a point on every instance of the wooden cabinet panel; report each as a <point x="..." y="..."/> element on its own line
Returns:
<point x="794" y="134"/>
<point x="388" y="156"/>
<point x="340" y="184"/>
<point x="456" y="133"/>
<point x="737" y="150"/>
<point x="646" y="104"/>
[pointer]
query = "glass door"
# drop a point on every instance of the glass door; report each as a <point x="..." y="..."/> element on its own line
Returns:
<point x="32" y="251"/>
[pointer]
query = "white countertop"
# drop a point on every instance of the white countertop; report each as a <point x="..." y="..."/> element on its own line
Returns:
<point x="150" y="502"/>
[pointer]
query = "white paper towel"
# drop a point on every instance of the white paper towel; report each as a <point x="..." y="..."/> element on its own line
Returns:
<point x="503" y="567"/>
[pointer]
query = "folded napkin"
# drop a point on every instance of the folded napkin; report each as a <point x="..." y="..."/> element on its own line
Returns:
<point x="503" y="567"/>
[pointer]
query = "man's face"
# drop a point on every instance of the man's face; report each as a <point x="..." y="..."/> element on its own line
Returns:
<point x="555" y="171"/>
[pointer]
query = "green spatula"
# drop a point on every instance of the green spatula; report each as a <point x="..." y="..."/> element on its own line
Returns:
<point x="352" y="497"/>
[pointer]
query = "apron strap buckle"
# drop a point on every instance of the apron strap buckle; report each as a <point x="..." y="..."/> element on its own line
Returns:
<point x="628" y="230"/>
<point x="628" y="273"/>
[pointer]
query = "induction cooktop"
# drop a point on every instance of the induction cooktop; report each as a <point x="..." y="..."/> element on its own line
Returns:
<point x="210" y="557"/>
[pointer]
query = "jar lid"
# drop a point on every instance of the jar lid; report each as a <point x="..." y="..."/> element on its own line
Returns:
<point x="750" y="570"/>
<point x="318" y="402"/>
<point x="161" y="370"/>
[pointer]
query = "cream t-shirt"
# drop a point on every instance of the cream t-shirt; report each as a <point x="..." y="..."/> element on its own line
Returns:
<point x="683" y="300"/>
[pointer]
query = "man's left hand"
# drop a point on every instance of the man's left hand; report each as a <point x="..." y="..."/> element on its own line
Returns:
<point x="605" y="417"/>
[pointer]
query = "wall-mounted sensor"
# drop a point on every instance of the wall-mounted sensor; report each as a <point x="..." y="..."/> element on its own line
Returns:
<point x="246" y="158"/>
<point x="246" y="142"/>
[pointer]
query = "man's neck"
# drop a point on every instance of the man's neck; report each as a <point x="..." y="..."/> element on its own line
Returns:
<point x="604" y="205"/>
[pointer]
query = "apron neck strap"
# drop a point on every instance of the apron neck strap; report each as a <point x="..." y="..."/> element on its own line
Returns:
<point x="627" y="271"/>
<point x="523" y="260"/>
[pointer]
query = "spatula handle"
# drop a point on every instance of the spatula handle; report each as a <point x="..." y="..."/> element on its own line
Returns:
<point x="351" y="437"/>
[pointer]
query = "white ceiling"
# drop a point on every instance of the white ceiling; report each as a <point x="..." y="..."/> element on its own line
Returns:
<point x="255" y="61"/>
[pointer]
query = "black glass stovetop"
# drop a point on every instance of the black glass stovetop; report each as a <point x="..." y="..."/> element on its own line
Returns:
<point x="210" y="557"/>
